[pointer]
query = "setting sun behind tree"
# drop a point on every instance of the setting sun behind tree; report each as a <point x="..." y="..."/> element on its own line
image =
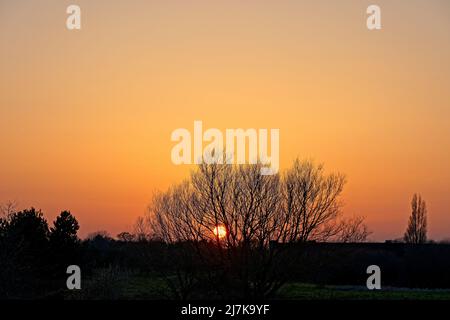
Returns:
<point x="220" y="231"/>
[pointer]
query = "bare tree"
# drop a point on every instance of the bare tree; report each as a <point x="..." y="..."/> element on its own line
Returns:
<point x="254" y="210"/>
<point x="311" y="203"/>
<point x="417" y="225"/>
<point x="301" y="206"/>
<point x="353" y="230"/>
<point x="141" y="230"/>
<point x="8" y="208"/>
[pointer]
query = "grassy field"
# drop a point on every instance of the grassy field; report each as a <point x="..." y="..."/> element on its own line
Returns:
<point x="156" y="288"/>
<point x="300" y="291"/>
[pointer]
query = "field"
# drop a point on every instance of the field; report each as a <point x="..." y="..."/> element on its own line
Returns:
<point x="141" y="288"/>
<point x="300" y="291"/>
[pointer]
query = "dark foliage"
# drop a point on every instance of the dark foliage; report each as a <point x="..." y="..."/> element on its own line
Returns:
<point x="34" y="258"/>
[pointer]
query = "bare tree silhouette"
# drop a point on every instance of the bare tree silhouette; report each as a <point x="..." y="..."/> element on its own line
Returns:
<point x="256" y="211"/>
<point x="140" y="230"/>
<point x="417" y="225"/>
<point x="353" y="230"/>
<point x="8" y="208"/>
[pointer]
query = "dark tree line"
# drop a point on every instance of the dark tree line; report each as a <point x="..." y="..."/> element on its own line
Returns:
<point x="31" y="251"/>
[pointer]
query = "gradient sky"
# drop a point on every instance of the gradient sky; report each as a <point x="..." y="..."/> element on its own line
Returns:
<point x="86" y="116"/>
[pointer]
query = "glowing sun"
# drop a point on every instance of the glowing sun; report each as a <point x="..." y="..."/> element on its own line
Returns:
<point x="220" y="231"/>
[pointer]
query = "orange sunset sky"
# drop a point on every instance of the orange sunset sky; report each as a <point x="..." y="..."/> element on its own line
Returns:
<point x="86" y="116"/>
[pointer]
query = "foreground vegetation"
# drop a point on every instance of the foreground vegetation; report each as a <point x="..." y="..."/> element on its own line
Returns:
<point x="300" y="291"/>
<point x="140" y="287"/>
